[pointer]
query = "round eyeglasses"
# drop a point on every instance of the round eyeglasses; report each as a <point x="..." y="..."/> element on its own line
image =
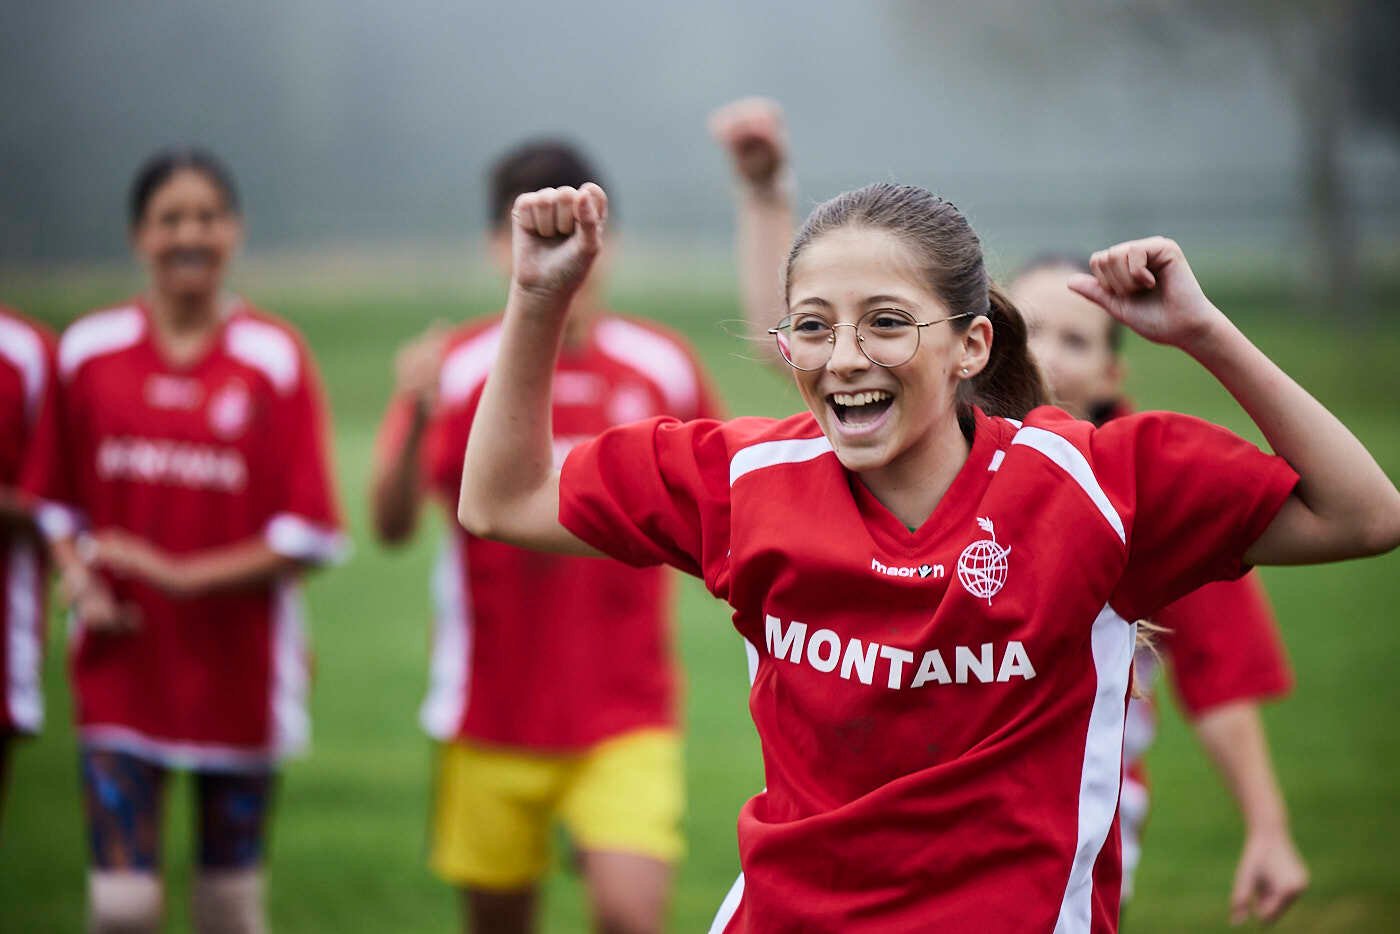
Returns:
<point x="886" y="337"/>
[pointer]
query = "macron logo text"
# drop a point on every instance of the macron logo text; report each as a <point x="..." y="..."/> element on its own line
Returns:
<point x="823" y="650"/>
<point x="936" y="571"/>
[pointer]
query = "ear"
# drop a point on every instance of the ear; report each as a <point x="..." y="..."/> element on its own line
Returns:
<point x="976" y="346"/>
<point x="498" y="246"/>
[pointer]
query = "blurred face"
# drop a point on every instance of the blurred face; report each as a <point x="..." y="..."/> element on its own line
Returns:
<point x="881" y="418"/>
<point x="1069" y="337"/>
<point x="187" y="236"/>
<point x="590" y="294"/>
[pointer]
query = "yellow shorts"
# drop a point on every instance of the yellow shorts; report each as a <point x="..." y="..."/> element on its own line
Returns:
<point x="494" y="807"/>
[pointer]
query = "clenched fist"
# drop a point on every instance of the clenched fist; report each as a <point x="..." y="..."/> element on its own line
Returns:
<point x="751" y="130"/>
<point x="556" y="234"/>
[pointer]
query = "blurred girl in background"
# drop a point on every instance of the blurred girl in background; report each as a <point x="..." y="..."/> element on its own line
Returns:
<point x="186" y="484"/>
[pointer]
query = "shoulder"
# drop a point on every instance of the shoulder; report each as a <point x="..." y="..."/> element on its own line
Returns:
<point x="99" y="334"/>
<point x="755" y="445"/>
<point x="29" y="348"/>
<point x="268" y="345"/>
<point x="658" y="354"/>
<point x="467" y="359"/>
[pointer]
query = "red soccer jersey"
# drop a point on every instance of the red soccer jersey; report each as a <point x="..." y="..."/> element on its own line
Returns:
<point x="539" y="651"/>
<point x="229" y="448"/>
<point x="941" y="712"/>
<point x="26" y="400"/>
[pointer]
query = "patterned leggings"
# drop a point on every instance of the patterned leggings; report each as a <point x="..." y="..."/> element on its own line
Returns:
<point x="124" y="796"/>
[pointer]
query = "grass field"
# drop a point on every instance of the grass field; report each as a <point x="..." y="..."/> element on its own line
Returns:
<point x="347" y="850"/>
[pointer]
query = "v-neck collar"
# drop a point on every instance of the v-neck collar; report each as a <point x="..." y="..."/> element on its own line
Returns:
<point x="959" y="501"/>
<point x="229" y="308"/>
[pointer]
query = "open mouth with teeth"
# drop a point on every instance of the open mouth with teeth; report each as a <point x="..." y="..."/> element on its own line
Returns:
<point x="860" y="409"/>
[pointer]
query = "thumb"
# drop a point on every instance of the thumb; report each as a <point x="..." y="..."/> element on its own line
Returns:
<point x="1240" y="895"/>
<point x="1089" y="287"/>
<point x="591" y="214"/>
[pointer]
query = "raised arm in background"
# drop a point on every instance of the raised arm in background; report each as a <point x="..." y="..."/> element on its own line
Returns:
<point x="1344" y="505"/>
<point x="751" y="131"/>
<point x="396" y="476"/>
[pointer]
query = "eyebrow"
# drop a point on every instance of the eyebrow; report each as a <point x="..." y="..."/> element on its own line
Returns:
<point x="813" y="300"/>
<point x="886" y="299"/>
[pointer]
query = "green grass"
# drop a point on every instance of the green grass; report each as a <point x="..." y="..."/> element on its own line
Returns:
<point x="347" y="850"/>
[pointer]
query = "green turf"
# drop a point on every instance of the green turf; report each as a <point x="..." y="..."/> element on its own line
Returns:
<point x="349" y="834"/>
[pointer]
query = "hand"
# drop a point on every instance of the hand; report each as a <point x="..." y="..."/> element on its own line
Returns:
<point x="1270" y="877"/>
<point x="556" y="234"/>
<point x="126" y="555"/>
<point x="417" y="365"/>
<point x="91" y="601"/>
<point x="751" y="130"/>
<point x="1147" y="285"/>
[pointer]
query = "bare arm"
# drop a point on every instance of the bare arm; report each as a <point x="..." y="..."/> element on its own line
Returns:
<point x="752" y="133"/>
<point x="239" y="566"/>
<point x="1344" y="506"/>
<point x="396" y="485"/>
<point x="510" y="488"/>
<point x="1271" y="874"/>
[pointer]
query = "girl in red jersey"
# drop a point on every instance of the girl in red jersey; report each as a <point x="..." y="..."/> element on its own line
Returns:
<point x="26" y="400"/>
<point x="186" y="485"/>
<point x="1221" y="642"/>
<point x="939" y="591"/>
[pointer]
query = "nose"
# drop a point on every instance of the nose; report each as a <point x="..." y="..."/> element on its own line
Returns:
<point x="846" y="355"/>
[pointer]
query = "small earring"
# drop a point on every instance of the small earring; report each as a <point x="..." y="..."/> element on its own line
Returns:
<point x="964" y="371"/>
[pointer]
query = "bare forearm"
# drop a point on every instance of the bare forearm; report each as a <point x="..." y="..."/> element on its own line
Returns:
<point x="1233" y="737"/>
<point x="765" y="222"/>
<point x="235" y="567"/>
<point x="1352" y="507"/>
<point x="508" y="476"/>
<point x="397" y="486"/>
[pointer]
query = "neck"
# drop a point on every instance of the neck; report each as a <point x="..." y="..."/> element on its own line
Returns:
<point x="913" y="485"/>
<point x="183" y="316"/>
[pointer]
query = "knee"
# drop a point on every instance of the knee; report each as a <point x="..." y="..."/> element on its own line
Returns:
<point x="640" y="911"/>
<point x="124" y="902"/>
<point x="229" y="902"/>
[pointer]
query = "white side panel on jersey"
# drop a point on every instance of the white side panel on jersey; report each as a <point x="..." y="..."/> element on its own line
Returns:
<point x="1132" y="815"/>
<point x="771" y="453"/>
<point x="23" y="643"/>
<point x="56" y="520"/>
<point x="265" y="347"/>
<point x="466" y="367"/>
<point x="1112" y="639"/>
<point x="301" y="539"/>
<point x="729" y="907"/>
<point x="450" y="666"/>
<point x="660" y="359"/>
<point x="25" y="351"/>
<point x="1072" y="462"/>
<point x="291" y="723"/>
<point x="751" y="654"/>
<point x="101" y="333"/>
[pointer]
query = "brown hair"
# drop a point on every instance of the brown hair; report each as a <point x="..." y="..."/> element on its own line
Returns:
<point x="950" y="254"/>
<point x="536" y="164"/>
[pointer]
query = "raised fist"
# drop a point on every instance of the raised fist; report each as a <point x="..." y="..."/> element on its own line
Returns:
<point x="751" y="130"/>
<point x="556" y="234"/>
<point x="1148" y="285"/>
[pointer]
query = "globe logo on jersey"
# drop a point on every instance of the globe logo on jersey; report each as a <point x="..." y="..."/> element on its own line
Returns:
<point x="230" y="410"/>
<point x="982" y="565"/>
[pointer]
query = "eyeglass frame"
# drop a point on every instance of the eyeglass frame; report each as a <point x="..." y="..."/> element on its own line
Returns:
<point x="859" y="340"/>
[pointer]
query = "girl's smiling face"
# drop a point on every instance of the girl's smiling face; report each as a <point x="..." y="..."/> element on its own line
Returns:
<point x="187" y="235"/>
<point x="886" y="419"/>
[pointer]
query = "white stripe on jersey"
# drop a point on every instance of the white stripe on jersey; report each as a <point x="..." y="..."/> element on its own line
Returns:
<point x="1112" y="639"/>
<point x="1132" y="815"/>
<point x="664" y="363"/>
<point x="291" y="724"/>
<point x="467" y="365"/>
<point x="771" y="453"/>
<point x="266" y="347"/>
<point x="1072" y="462"/>
<point x="23" y="347"/>
<point x="23" y="645"/>
<point x="450" y="662"/>
<point x="101" y="333"/>
<point x="209" y="757"/>
<point x="729" y="907"/>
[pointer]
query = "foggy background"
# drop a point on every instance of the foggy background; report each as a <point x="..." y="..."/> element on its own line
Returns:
<point x="1268" y="129"/>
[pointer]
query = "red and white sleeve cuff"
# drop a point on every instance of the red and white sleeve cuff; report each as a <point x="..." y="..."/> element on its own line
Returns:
<point x="294" y="537"/>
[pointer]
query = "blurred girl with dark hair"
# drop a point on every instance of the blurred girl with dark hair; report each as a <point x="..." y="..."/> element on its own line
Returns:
<point x="187" y="486"/>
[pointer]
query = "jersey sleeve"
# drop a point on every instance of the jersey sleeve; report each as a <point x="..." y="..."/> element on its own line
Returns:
<point x="1195" y="497"/>
<point x="652" y="492"/>
<point x="1223" y="645"/>
<point x="304" y="519"/>
<point x="46" y="472"/>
